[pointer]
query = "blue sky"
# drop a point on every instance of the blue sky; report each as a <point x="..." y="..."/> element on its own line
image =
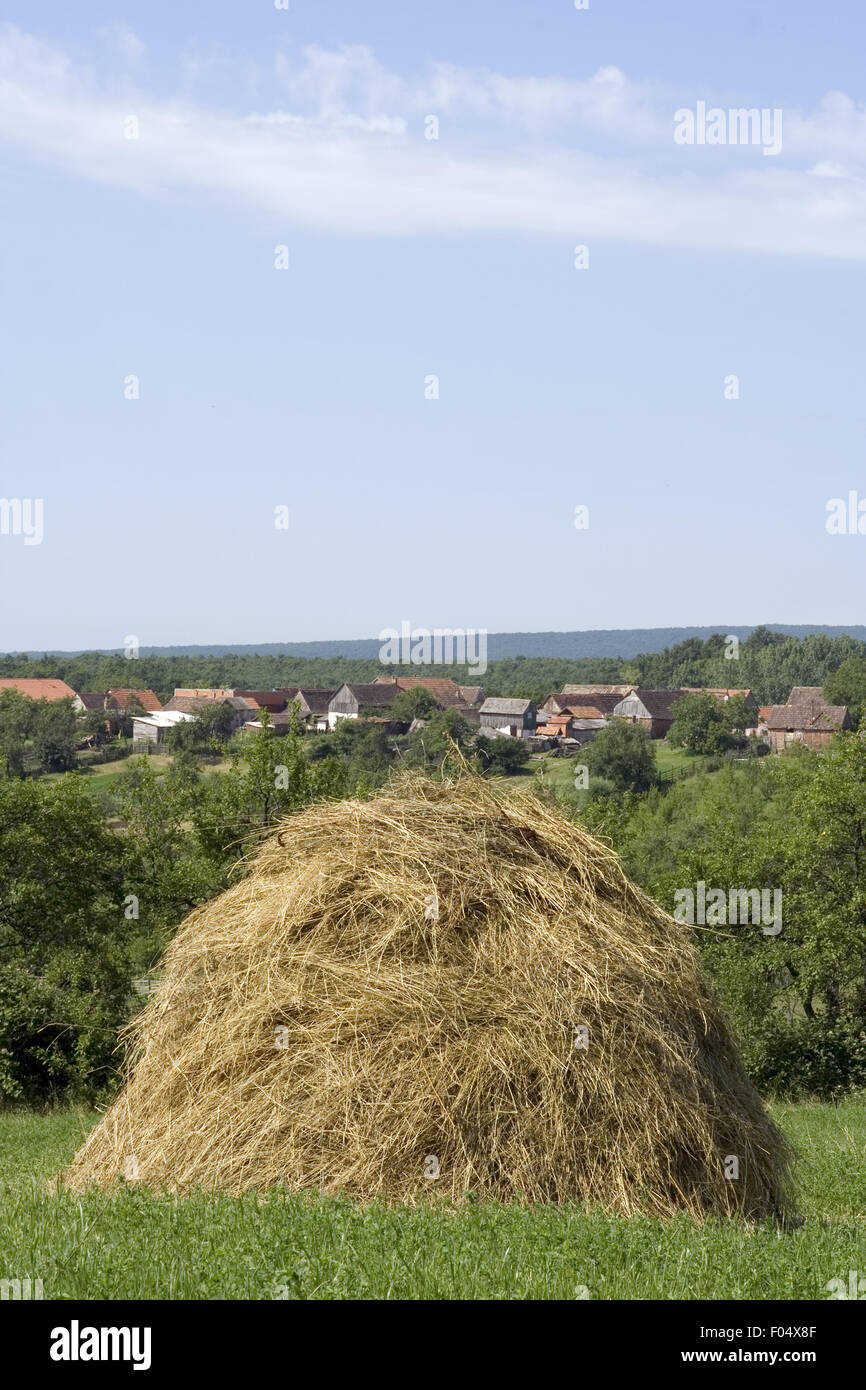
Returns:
<point x="259" y="388"/>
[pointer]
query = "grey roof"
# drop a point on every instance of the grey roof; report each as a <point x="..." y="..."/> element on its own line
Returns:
<point x="316" y="700"/>
<point x="597" y="689"/>
<point x="657" y="703"/>
<point x="807" y="716"/>
<point x="809" y="693"/>
<point x="372" y="694"/>
<point x="494" y="705"/>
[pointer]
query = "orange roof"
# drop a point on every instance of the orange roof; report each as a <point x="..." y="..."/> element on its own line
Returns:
<point x="442" y="688"/>
<point x="145" y="698"/>
<point x="556" y="724"/>
<point x="38" y="689"/>
<point x="585" y="712"/>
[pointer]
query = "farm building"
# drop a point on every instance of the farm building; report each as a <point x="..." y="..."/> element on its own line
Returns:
<point x="272" y="700"/>
<point x="444" y="690"/>
<point x="572" y="727"/>
<point x="312" y="705"/>
<point x="619" y="690"/>
<point x="603" y="701"/>
<point x="353" y="701"/>
<point x="557" y="726"/>
<point x="242" y="709"/>
<point x="149" y="730"/>
<point x="515" y="717"/>
<point x="585" y="730"/>
<point x="202" y="692"/>
<point x="41" y="689"/>
<point x="806" y="718"/>
<point x="93" y="700"/>
<point x="122" y="699"/>
<point x="651" y="709"/>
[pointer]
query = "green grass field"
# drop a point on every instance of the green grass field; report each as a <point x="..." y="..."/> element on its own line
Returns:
<point x="558" y="773"/>
<point x="133" y="1244"/>
<point x="102" y="776"/>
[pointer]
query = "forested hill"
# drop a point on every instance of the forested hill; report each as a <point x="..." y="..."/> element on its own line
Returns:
<point x="768" y="662"/>
<point x="617" y="643"/>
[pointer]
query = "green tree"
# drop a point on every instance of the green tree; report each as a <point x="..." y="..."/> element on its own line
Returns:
<point x="847" y="686"/>
<point x="700" y="725"/>
<point x="429" y="747"/>
<point x="623" y="755"/>
<point x="64" y="941"/>
<point x="416" y="703"/>
<point x="16" y="728"/>
<point x="501" y="757"/>
<point x="738" y="715"/>
<point x="55" y="734"/>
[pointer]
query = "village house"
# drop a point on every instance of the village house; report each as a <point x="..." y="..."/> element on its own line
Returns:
<point x="42" y="689"/>
<point x="620" y="691"/>
<point x="274" y="701"/>
<point x="651" y="709"/>
<point x="119" y="701"/>
<point x="93" y="700"/>
<point x="603" y="701"/>
<point x="517" y="718"/>
<point x="807" y="718"/>
<point x="202" y="692"/>
<point x="445" y="691"/>
<point x="312" y="706"/>
<point x="353" y="701"/>
<point x="186" y="702"/>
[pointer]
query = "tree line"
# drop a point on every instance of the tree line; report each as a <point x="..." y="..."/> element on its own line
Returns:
<point x="767" y="662"/>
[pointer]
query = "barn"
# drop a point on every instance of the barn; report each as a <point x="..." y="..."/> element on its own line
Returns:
<point x="651" y="709"/>
<point x="515" y="717"/>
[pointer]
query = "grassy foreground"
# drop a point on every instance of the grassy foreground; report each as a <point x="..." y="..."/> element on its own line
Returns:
<point x="132" y="1244"/>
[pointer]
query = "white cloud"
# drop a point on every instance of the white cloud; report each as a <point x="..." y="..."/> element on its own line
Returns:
<point x="343" y="149"/>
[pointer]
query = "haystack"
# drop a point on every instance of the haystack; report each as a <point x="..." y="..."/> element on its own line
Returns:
<point x="446" y="989"/>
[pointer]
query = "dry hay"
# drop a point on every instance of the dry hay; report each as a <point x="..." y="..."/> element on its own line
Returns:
<point x="398" y="988"/>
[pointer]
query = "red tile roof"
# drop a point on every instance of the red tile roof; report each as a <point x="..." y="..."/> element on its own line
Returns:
<point x="146" y="698"/>
<point x="40" y="689"/>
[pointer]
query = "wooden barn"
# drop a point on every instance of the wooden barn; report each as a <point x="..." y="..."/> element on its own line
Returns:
<point x="651" y="709"/>
<point x="353" y="701"/>
<point x="515" y="717"/>
<point x="806" y="718"/>
<point x="312" y="705"/>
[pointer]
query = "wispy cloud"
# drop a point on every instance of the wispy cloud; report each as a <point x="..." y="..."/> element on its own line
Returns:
<point x="339" y="145"/>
